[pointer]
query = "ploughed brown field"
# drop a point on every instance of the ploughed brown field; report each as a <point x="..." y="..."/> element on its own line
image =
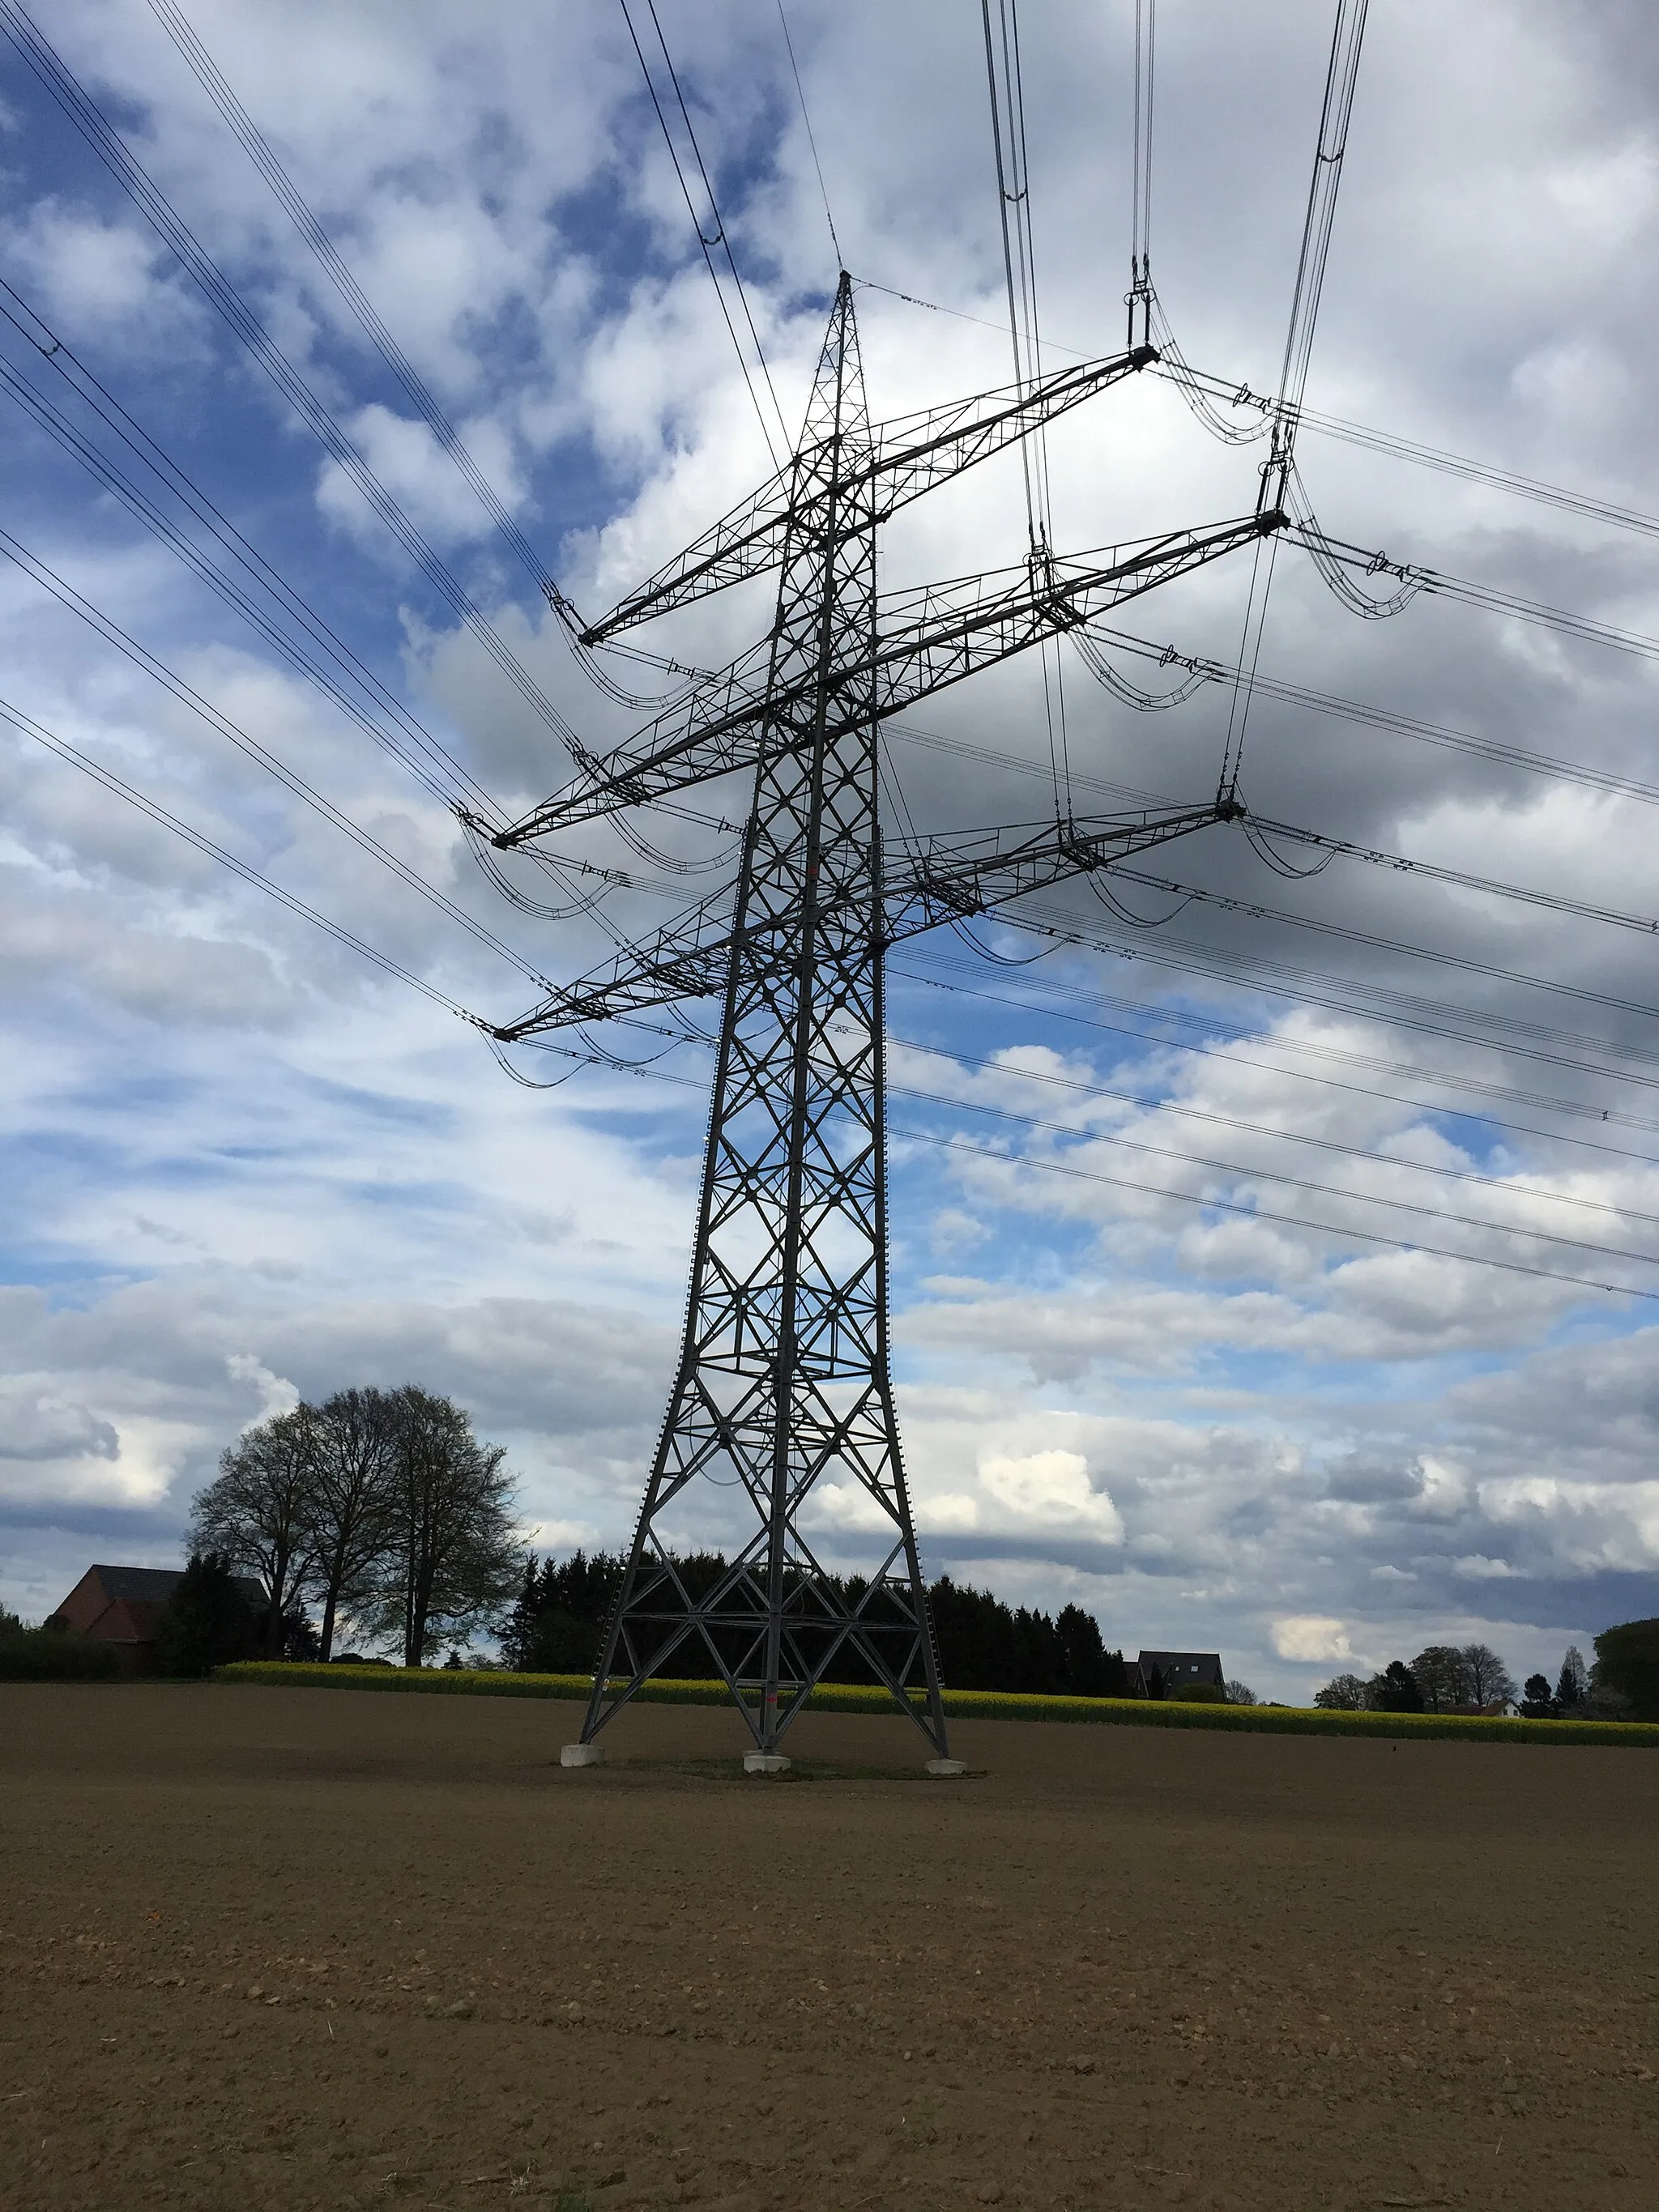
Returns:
<point x="295" y="1948"/>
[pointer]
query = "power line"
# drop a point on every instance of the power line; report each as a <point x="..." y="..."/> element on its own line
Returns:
<point x="1255" y="1172"/>
<point x="1206" y="1201"/>
<point x="1391" y="862"/>
<point x="1265" y="1213"/>
<point x="722" y="234"/>
<point x="1403" y="1071"/>
<point x="1257" y="911"/>
<point x="1396" y="863"/>
<point x="223" y="296"/>
<point x="1140" y="198"/>
<point x="1239" y="393"/>
<point x="1462" y="878"/>
<point x="1006" y="84"/>
<point x="1200" y="671"/>
<point x="800" y="95"/>
<point x="720" y="238"/>
<point x="1342" y="77"/>
<point x="343" y="689"/>
<point x="1220" y="965"/>
<point x="112" y="634"/>
<point x="435" y="772"/>
<point x="1181" y="1109"/>
<point x="261" y="152"/>
<point x="120" y="789"/>
<point x="1338" y="993"/>
<point x="1275" y="1175"/>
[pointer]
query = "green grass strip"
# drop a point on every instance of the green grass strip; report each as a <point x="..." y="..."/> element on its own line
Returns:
<point x="968" y="1705"/>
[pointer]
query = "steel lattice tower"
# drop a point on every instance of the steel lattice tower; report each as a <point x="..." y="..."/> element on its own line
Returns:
<point x="783" y="1381"/>
<point x="784" y="1386"/>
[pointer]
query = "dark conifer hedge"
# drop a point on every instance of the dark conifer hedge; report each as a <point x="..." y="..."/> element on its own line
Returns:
<point x="562" y="1611"/>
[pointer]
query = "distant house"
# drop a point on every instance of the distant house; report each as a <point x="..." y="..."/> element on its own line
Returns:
<point x="1175" y="1670"/>
<point x="122" y="1605"/>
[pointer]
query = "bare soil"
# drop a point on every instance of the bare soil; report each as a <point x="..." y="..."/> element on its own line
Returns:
<point x="328" y="1949"/>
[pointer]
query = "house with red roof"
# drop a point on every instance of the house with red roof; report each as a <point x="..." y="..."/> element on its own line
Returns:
<point x="122" y="1605"/>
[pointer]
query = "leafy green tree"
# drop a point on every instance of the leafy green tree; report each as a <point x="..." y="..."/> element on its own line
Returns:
<point x="1345" y="1694"/>
<point x="254" y="1517"/>
<point x="1573" y="1687"/>
<point x="564" y="1606"/>
<point x="207" y="1622"/>
<point x="1394" y="1690"/>
<point x="1627" y="1669"/>
<point x="1087" y="1668"/>
<point x="519" y="1631"/>
<point x="451" y="1561"/>
<point x="1491" y="1682"/>
<point x="1442" y="1679"/>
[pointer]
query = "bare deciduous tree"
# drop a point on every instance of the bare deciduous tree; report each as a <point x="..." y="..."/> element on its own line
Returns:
<point x="350" y="1515"/>
<point x="254" y="1517"/>
<point x="453" y="1564"/>
<point x="1491" y="1682"/>
<point x="1442" y="1674"/>
<point x="1345" y="1694"/>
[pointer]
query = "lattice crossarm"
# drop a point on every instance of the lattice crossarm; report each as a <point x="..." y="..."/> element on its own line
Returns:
<point x="942" y="884"/>
<point x="685" y="960"/>
<point x="961" y="628"/>
<point x="915" y="454"/>
<point x="745" y="542"/>
<point x="927" y="639"/>
<point x="911" y="456"/>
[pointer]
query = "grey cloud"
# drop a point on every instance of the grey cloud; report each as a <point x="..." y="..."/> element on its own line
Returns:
<point x="1367" y="1480"/>
<point x="34" y="1426"/>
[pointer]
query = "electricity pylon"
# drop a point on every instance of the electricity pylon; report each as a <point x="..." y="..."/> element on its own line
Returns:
<point x="784" y="1391"/>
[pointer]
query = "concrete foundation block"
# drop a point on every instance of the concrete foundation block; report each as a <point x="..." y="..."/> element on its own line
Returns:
<point x="946" y="1767"/>
<point x="764" y="1762"/>
<point x="581" y="1754"/>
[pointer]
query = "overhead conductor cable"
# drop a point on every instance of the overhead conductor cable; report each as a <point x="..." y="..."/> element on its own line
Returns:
<point x="1340" y="81"/>
<point x="77" y="104"/>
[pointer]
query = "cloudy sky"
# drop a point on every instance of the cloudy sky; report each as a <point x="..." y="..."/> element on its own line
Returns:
<point x="1261" y="1309"/>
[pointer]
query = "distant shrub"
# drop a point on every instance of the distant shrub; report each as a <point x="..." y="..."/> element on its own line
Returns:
<point x="52" y="1655"/>
<point x="1203" y="1693"/>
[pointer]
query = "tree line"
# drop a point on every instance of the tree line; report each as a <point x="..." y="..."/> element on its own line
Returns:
<point x="1445" y="1678"/>
<point x="379" y="1508"/>
<point x="563" y="1607"/>
<point x="1468" y="1678"/>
